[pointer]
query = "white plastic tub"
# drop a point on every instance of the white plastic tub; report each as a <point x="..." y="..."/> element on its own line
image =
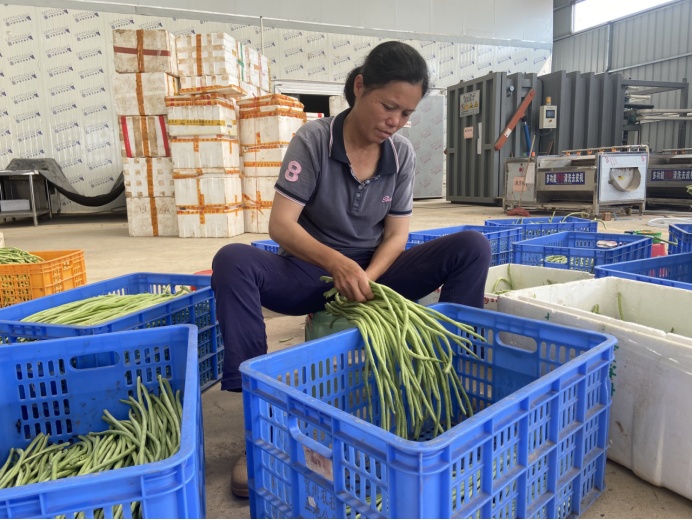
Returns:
<point x="650" y="426"/>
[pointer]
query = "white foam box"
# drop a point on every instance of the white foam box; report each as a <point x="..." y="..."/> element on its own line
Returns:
<point x="520" y="277"/>
<point x="262" y="161"/>
<point x="210" y="222"/>
<point x="221" y="83"/>
<point x="249" y="65"/>
<point x="524" y="277"/>
<point x="650" y="424"/>
<point x="140" y="94"/>
<point x="203" y="114"/>
<point x="140" y="50"/>
<point x="152" y="216"/>
<point x="148" y="176"/>
<point x="258" y="194"/>
<point x="15" y="205"/>
<point x="143" y="136"/>
<point x="214" y="151"/>
<point x="208" y="190"/>
<point x="310" y="116"/>
<point x="268" y="124"/>
<point x="211" y="54"/>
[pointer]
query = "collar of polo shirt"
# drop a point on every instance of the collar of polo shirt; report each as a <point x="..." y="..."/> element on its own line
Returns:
<point x="387" y="164"/>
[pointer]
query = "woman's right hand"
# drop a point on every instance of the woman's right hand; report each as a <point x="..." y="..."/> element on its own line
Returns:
<point x="351" y="280"/>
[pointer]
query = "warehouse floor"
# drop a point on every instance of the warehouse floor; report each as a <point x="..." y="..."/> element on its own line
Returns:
<point x="110" y="252"/>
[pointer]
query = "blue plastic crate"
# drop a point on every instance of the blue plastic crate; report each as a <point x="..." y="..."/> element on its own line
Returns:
<point x="680" y="234"/>
<point x="536" y="446"/>
<point x="539" y="226"/>
<point x="197" y="308"/>
<point x="267" y="245"/>
<point x="61" y="388"/>
<point x="273" y="247"/>
<point x="501" y="239"/>
<point x="581" y="251"/>
<point x="669" y="270"/>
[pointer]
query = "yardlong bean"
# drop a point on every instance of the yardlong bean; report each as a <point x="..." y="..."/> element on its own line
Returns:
<point x="410" y="358"/>
<point x="142" y="438"/>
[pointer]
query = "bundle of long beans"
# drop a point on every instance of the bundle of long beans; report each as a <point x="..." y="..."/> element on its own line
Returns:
<point x="12" y="255"/>
<point x="99" y="309"/>
<point x="151" y="433"/>
<point x="410" y="355"/>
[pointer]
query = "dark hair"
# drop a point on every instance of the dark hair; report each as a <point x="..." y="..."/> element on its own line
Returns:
<point x="389" y="61"/>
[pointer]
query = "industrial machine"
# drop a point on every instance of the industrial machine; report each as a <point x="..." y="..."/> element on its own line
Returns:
<point x="588" y="180"/>
<point x="668" y="178"/>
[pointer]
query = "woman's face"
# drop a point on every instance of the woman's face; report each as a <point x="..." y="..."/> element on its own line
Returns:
<point x="383" y="111"/>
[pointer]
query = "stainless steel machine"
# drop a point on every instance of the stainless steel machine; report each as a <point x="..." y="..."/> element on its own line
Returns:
<point x="668" y="178"/>
<point x="588" y="180"/>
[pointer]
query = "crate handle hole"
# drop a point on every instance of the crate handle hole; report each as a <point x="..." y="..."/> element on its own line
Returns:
<point x="97" y="360"/>
<point x="519" y="341"/>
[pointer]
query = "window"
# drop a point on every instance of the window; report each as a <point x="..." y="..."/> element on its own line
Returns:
<point x="590" y="13"/>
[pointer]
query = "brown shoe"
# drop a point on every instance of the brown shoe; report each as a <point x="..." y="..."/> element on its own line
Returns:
<point x="239" y="477"/>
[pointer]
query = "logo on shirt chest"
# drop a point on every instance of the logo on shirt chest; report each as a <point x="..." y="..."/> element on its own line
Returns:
<point x="387" y="198"/>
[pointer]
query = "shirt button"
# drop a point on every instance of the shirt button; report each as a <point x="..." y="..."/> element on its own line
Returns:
<point x="360" y="187"/>
<point x="368" y="182"/>
<point x="358" y="195"/>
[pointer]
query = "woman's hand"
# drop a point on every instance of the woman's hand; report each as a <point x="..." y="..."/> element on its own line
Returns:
<point x="350" y="280"/>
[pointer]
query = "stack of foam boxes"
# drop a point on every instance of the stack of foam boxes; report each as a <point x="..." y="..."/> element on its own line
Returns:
<point x="146" y="72"/>
<point x="204" y="137"/>
<point x="254" y="71"/>
<point x="266" y="125"/>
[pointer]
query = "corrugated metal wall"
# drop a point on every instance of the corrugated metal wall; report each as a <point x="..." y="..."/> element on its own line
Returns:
<point x="652" y="46"/>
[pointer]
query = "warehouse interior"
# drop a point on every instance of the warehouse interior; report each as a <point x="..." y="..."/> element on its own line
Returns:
<point x="528" y="116"/>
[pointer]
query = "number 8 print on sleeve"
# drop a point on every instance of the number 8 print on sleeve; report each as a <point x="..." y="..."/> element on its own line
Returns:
<point x="292" y="171"/>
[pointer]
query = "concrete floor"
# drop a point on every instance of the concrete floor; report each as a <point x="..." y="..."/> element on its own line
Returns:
<point x="110" y="252"/>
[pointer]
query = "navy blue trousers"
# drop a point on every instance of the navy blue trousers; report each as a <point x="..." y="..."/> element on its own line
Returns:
<point x="246" y="278"/>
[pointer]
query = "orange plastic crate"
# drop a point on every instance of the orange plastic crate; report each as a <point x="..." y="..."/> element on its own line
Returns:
<point x="60" y="271"/>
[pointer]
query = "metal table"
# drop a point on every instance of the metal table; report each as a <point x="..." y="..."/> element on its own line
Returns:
<point x="22" y="175"/>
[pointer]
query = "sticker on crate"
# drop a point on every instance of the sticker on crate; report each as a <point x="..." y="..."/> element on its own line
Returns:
<point x="263" y="160"/>
<point x="205" y="190"/>
<point x="148" y="177"/>
<point x="213" y="54"/>
<point x="258" y="194"/>
<point x="219" y="151"/>
<point x="203" y="114"/>
<point x="139" y="94"/>
<point x="152" y="216"/>
<point x="140" y="50"/>
<point x="210" y="221"/>
<point x="143" y="136"/>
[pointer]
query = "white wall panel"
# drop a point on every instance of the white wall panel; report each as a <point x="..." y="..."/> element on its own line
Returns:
<point x="361" y="17"/>
<point x="56" y="69"/>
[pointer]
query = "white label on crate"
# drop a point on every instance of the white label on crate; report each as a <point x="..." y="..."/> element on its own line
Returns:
<point x="318" y="463"/>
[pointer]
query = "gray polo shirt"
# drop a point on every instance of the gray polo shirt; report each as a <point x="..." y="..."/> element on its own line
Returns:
<point x="339" y="210"/>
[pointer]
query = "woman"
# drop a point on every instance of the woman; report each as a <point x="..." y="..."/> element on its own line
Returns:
<point x="343" y="200"/>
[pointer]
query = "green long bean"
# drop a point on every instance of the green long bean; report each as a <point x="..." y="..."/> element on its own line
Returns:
<point x="410" y="357"/>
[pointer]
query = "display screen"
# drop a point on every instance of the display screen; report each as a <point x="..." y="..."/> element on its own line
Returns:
<point x="550" y="114"/>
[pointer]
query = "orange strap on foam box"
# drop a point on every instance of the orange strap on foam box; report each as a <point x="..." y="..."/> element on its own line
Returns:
<point x="258" y="203"/>
<point x="140" y="93"/>
<point x="198" y="53"/>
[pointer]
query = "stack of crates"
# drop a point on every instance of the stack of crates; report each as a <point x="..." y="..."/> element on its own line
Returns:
<point x="266" y="126"/>
<point x="147" y="72"/>
<point x="204" y="143"/>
